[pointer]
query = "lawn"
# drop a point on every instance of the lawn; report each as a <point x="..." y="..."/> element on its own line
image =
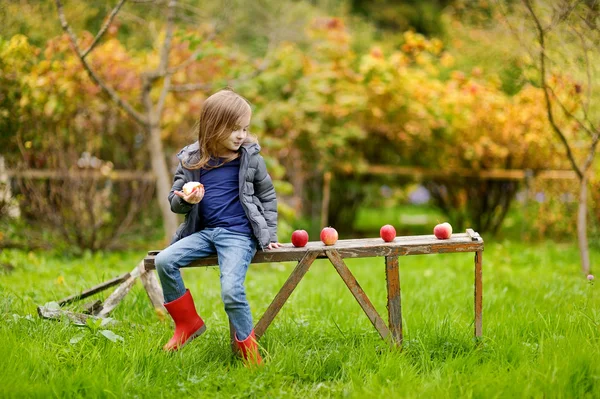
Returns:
<point x="541" y="326"/>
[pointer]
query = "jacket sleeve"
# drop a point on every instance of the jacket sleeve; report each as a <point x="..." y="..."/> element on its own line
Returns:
<point x="178" y="205"/>
<point x="265" y="192"/>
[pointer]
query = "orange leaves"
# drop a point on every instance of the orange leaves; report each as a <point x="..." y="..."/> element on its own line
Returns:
<point x="463" y="121"/>
<point x="322" y="98"/>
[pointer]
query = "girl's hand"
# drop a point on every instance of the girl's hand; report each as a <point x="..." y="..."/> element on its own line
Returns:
<point x="274" y="245"/>
<point x="192" y="198"/>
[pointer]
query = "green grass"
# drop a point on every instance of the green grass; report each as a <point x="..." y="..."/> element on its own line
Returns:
<point x="541" y="331"/>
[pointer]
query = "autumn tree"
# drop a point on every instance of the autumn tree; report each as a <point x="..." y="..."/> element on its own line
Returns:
<point x="563" y="38"/>
<point x="162" y="79"/>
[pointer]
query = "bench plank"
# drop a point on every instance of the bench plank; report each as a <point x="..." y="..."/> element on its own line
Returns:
<point x="357" y="248"/>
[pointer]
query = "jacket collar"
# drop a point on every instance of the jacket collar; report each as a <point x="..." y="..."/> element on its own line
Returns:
<point x="190" y="153"/>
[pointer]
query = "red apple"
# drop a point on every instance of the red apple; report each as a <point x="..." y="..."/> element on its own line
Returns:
<point x="387" y="233"/>
<point x="299" y="238"/>
<point x="443" y="231"/>
<point x="329" y="236"/>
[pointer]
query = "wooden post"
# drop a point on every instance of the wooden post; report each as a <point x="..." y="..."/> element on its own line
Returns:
<point x="154" y="291"/>
<point x="478" y="294"/>
<point x="394" y="303"/>
<point x="5" y="191"/>
<point x="326" y="198"/>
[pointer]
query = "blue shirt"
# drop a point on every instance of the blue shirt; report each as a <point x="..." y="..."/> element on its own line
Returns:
<point x="221" y="206"/>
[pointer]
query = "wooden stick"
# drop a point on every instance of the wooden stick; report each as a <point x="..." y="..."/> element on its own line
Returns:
<point x="492" y="174"/>
<point x="94" y="290"/>
<point x="92" y="307"/>
<point x="284" y="293"/>
<point x="58" y="174"/>
<point x="57" y="314"/>
<point x="474" y="235"/>
<point x="326" y="199"/>
<point x="360" y="295"/>
<point x="117" y="296"/>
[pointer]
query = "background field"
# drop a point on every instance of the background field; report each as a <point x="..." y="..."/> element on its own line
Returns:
<point x="541" y="331"/>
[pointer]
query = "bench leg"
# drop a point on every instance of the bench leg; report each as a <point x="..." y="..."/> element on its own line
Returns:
<point x="478" y="294"/>
<point x="284" y="293"/>
<point x="394" y="304"/>
<point x="356" y="290"/>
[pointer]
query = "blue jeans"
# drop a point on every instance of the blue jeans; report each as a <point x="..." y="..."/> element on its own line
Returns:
<point x="235" y="252"/>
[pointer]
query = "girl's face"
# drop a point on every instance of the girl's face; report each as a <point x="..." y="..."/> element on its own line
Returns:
<point x="233" y="142"/>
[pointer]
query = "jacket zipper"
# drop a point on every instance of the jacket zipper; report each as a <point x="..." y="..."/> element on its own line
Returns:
<point x="255" y="226"/>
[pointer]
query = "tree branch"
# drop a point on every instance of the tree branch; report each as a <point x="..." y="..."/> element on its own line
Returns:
<point x="190" y="87"/>
<point x="108" y="90"/>
<point x="194" y="10"/>
<point x="205" y="86"/>
<point x="163" y="96"/>
<point x="164" y="61"/>
<point x="517" y="32"/>
<point x="191" y="59"/>
<point x="591" y="154"/>
<point x="562" y="14"/>
<point x="570" y="114"/>
<point x="102" y="30"/>
<point x="164" y="53"/>
<point x="541" y="39"/>
<point x="586" y="105"/>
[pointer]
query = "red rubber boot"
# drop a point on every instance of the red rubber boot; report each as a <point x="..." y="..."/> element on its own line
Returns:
<point x="249" y="350"/>
<point x="188" y="325"/>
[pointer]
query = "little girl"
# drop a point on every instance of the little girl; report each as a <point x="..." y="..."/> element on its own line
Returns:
<point x="233" y="210"/>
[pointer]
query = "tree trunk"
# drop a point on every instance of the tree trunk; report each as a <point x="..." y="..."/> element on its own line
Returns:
<point x="582" y="225"/>
<point x="297" y="177"/>
<point x="163" y="181"/>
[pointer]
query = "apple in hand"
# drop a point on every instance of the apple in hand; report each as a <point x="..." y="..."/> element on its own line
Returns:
<point x="191" y="186"/>
<point x="387" y="233"/>
<point x="329" y="235"/>
<point x="443" y="231"/>
<point x="299" y="238"/>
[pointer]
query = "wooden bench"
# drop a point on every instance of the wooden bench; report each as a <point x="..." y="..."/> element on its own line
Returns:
<point x="362" y="248"/>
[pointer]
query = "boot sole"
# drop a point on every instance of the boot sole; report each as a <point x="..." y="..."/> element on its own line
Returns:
<point x="198" y="333"/>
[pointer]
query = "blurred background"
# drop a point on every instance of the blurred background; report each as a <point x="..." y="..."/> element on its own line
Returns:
<point x="376" y="112"/>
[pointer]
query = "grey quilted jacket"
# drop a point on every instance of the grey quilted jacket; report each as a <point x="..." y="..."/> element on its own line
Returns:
<point x="257" y="194"/>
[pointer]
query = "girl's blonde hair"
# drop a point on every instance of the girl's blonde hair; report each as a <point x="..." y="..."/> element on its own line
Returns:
<point x="220" y="116"/>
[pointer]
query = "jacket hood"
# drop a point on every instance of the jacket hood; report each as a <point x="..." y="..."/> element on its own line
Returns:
<point x="190" y="153"/>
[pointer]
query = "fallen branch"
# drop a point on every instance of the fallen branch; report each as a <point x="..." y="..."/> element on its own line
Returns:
<point x="79" y="319"/>
<point x="92" y="307"/>
<point x="117" y="296"/>
<point x="94" y="290"/>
